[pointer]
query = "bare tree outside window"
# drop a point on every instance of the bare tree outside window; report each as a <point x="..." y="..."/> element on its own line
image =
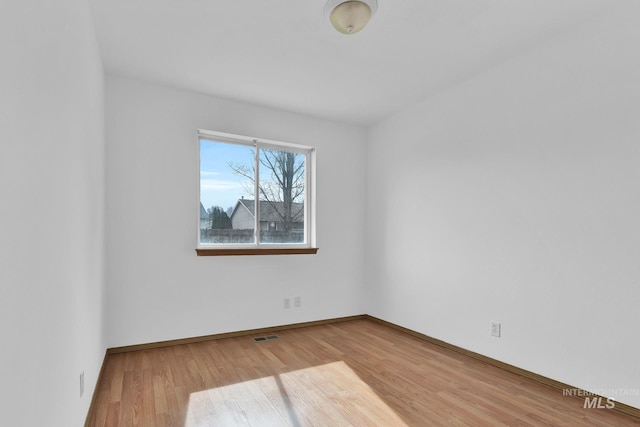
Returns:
<point x="281" y="185"/>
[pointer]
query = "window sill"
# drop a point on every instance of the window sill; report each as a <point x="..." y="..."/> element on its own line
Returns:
<point x="262" y="251"/>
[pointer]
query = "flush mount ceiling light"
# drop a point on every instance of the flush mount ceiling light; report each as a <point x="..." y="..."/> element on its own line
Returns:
<point x="350" y="16"/>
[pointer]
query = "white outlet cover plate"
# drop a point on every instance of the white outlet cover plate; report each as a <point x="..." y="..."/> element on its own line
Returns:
<point x="495" y="329"/>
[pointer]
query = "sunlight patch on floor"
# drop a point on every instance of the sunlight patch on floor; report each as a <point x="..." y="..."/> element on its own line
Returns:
<point x="326" y="395"/>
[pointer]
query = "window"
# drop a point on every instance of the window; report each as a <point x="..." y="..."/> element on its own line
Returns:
<point x="256" y="196"/>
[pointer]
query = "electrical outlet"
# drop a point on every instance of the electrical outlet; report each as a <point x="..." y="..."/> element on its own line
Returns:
<point x="495" y="329"/>
<point x="287" y="303"/>
<point x="81" y="383"/>
<point x="297" y="301"/>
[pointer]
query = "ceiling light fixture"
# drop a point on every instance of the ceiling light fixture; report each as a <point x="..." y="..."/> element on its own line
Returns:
<point x="350" y="16"/>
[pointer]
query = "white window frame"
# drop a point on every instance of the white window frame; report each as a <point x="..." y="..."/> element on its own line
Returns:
<point x="309" y="193"/>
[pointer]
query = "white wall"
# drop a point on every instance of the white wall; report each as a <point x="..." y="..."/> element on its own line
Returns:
<point x="158" y="289"/>
<point x="52" y="211"/>
<point x="524" y="181"/>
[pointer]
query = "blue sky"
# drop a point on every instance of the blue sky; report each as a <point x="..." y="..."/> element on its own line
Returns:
<point x="219" y="185"/>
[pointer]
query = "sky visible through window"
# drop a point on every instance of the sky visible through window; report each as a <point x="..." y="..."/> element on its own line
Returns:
<point x="219" y="184"/>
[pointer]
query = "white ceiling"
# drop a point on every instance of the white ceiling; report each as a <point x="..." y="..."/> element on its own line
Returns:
<point x="284" y="53"/>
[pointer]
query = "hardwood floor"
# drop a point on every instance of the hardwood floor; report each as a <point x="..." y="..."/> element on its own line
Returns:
<point x="354" y="373"/>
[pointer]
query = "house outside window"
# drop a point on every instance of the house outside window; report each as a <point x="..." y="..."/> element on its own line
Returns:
<point x="256" y="196"/>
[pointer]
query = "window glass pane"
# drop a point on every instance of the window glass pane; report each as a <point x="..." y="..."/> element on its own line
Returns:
<point x="282" y="176"/>
<point x="226" y="193"/>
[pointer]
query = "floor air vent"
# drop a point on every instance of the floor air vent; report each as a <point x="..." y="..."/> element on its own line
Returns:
<point x="267" y="338"/>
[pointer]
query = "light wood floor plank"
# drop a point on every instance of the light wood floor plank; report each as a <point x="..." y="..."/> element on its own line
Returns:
<point x="352" y="373"/>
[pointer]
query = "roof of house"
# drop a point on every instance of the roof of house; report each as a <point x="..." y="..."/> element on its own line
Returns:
<point x="203" y="211"/>
<point x="269" y="210"/>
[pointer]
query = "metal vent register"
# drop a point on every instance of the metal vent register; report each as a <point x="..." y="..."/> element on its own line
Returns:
<point x="267" y="338"/>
